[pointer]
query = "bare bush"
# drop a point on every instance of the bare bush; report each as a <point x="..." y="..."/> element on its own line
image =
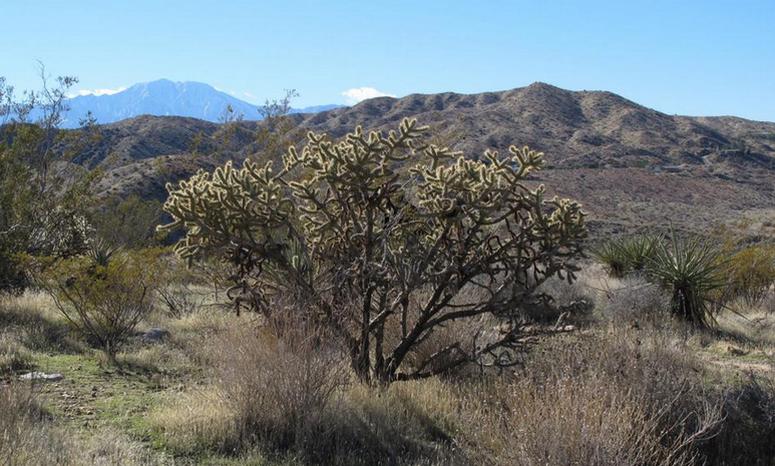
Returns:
<point x="292" y="397"/>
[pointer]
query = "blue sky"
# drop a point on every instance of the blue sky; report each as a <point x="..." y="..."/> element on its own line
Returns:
<point x="685" y="57"/>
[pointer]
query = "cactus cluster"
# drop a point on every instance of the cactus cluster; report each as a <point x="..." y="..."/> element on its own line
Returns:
<point x="379" y="252"/>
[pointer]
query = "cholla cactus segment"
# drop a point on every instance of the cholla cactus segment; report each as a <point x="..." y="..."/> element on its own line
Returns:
<point x="230" y="206"/>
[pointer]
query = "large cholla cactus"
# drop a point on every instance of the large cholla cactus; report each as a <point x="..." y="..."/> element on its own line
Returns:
<point x="383" y="257"/>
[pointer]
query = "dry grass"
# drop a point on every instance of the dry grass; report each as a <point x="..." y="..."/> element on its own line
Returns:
<point x="198" y="421"/>
<point x="627" y="397"/>
<point x="632" y="387"/>
<point x="25" y="436"/>
<point x="294" y="398"/>
<point x="13" y="355"/>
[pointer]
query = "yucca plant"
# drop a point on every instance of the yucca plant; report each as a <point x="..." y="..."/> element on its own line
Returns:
<point x="690" y="269"/>
<point x="100" y="251"/>
<point x="626" y="255"/>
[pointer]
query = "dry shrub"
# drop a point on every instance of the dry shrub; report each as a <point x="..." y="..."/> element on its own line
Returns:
<point x="746" y="436"/>
<point x="198" y="421"/>
<point x="25" y="436"/>
<point x="281" y="391"/>
<point x="280" y="388"/>
<point x="624" y="399"/>
<point x="636" y="300"/>
<point x="271" y="392"/>
<point x="13" y="355"/>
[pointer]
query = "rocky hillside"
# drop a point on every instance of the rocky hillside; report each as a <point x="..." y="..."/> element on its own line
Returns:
<point x="630" y="165"/>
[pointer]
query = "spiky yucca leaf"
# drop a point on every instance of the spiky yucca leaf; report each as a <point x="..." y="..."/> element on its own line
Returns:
<point x="625" y="255"/>
<point x="690" y="269"/>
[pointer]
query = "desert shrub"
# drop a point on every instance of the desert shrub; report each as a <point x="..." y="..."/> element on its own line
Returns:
<point x="746" y="435"/>
<point x="628" y="254"/>
<point x="27" y="439"/>
<point x="636" y="299"/>
<point x="127" y="222"/>
<point x="280" y="390"/>
<point x="690" y="269"/>
<point x="355" y="240"/>
<point x="13" y="355"/>
<point x="103" y="302"/>
<point x="563" y="300"/>
<point x="750" y="273"/>
<point x="40" y="214"/>
<point x="621" y="399"/>
<point x="291" y="397"/>
<point x="13" y="279"/>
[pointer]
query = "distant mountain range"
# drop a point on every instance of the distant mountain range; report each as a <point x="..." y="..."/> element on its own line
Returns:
<point x="166" y="98"/>
<point x="630" y="166"/>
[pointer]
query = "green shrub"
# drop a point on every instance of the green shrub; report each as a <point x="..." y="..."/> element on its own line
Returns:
<point x="128" y="222"/>
<point x="104" y="302"/>
<point x="750" y="274"/>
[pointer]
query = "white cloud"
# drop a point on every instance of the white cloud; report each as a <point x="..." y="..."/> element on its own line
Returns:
<point x="97" y="92"/>
<point x="357" y="94"/>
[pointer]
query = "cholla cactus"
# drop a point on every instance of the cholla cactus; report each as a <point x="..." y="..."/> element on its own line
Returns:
<point x="385" y="257"/>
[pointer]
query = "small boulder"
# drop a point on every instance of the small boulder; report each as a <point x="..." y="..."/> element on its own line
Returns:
<point x="55" y="377"/>
<point x="155" y="335"/>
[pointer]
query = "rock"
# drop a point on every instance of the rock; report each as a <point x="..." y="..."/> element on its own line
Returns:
<point x="155" y="335"/>
<point x="42" y="376"/>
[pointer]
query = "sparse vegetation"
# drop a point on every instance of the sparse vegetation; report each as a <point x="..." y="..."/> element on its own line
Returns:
<point x="690" y="270"/>
<point x="27" y="439"/>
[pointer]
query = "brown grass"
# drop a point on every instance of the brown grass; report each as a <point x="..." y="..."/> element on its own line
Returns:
<point x="628" y="397"/>
<point x="26" y="438"/>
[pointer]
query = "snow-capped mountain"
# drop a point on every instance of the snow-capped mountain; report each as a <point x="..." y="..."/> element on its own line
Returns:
<point x="165" y="97"/>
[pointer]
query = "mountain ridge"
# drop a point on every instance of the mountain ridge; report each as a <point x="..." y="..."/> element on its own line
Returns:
<point x="628" y="164"/>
